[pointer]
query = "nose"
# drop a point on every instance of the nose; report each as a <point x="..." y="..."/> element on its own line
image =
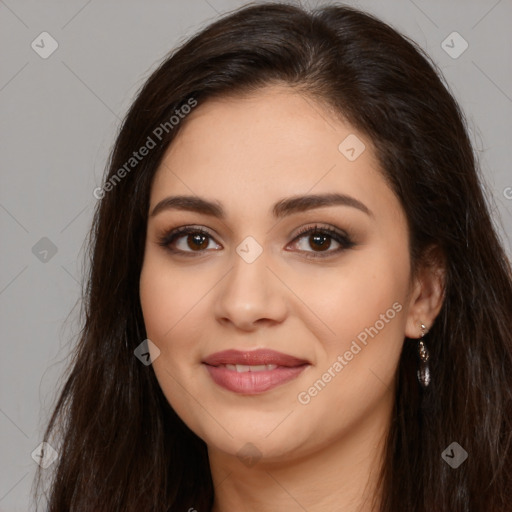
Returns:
<point x="250" y="296"/>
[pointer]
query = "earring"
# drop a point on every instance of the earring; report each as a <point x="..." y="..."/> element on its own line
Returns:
<point x="423" y="354"/>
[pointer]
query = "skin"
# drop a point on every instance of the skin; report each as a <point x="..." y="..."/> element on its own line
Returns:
<point x="247" y="153"/>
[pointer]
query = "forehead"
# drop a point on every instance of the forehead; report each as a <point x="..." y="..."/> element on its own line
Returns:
<point x="254" y="149"/>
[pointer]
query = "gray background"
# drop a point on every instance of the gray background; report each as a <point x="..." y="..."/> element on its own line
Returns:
<point x="59" y="118"/>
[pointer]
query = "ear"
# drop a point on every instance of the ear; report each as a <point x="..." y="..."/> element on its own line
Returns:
<point x="427" y="292"/>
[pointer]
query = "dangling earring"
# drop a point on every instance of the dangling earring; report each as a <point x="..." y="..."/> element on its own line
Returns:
<point x="423" y="354"/>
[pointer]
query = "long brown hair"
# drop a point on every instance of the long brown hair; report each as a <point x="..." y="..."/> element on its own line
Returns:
<point x="121" y="445"/>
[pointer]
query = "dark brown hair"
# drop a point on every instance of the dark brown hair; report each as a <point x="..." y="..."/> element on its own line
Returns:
<point x="121" y="445"/>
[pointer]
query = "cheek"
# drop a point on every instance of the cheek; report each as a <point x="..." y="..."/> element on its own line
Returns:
<point x="170" y="299"/>
<point x="168" y="296"/>
<point x="366" y="297"/>
<point x="160" y="306"/>
<point x="366" y="311"/>
<point x="353" y="296"/>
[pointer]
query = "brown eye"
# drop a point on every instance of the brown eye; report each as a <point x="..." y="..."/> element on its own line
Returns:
<point x="197" y="241"/>
<point x="318" y="242"/>
<point x="188" y="240"/>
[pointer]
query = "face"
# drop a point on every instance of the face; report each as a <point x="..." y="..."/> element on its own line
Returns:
<point x="308" y="297"/>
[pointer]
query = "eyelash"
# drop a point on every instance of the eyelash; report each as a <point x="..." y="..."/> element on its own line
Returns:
<point x="343" y="239"/>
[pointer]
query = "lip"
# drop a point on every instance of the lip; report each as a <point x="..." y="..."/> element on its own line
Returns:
<point x="286" y="368"/>
<point x="253" y="357"/>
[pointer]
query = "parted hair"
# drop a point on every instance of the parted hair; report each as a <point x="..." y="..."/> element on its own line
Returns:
<point x="123" y="448"/>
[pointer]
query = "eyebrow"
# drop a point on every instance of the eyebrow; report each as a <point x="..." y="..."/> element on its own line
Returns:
<point x="282" y="208"/>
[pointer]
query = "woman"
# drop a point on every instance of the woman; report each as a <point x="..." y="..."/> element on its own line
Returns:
<point x="297" y="299"/>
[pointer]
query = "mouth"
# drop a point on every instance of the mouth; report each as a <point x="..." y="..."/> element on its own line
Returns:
<point x="253" y="372"/>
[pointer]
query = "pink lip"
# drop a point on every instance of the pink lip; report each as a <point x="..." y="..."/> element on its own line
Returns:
<point x="250" y="383"/>
<point x="253" y="357"/>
